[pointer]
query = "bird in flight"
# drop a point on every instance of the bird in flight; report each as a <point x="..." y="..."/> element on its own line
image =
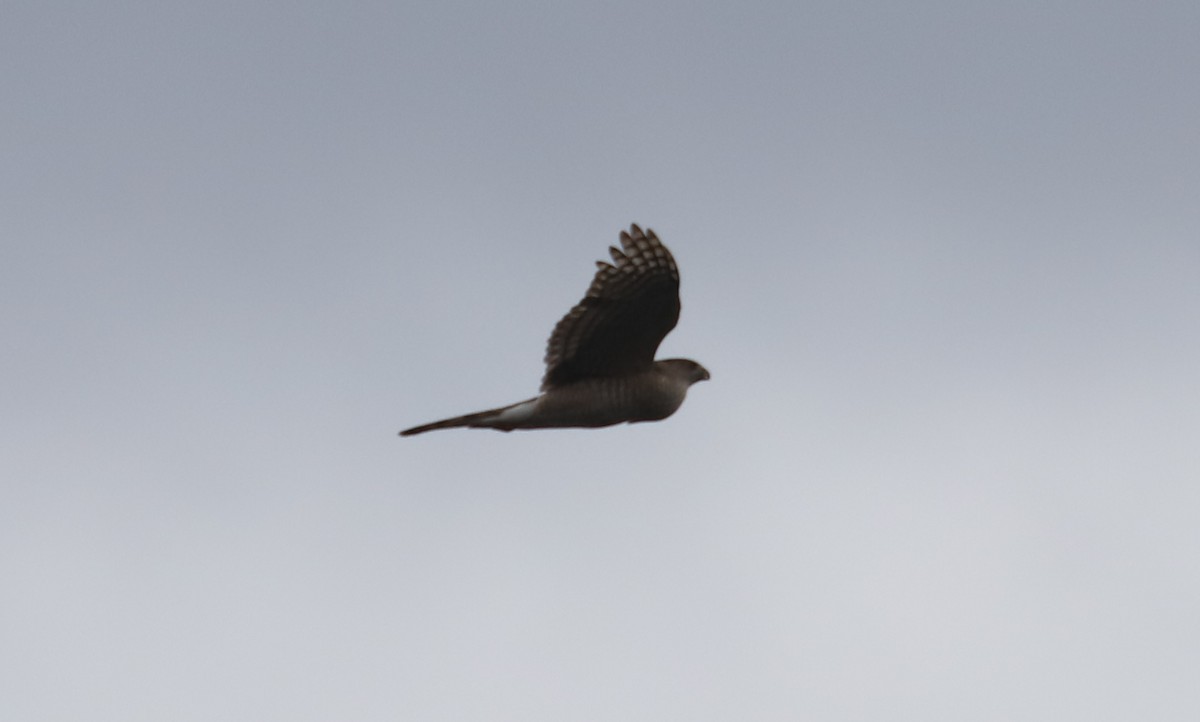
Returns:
<point x="600" y="367"/>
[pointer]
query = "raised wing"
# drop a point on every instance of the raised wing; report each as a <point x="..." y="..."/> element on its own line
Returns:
<point x="632" y="304"/>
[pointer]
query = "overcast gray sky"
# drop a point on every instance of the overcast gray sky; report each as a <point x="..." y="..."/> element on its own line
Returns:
<point x="940" y="257"/>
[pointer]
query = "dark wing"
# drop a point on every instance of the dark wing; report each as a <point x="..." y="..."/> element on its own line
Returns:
<point x="616" y="329"/>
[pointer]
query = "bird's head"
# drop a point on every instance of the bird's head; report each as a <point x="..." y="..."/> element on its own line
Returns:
<point x="686" y="369"/>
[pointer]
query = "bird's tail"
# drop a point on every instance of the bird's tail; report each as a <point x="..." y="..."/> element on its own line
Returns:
<point x="505" y="418"/>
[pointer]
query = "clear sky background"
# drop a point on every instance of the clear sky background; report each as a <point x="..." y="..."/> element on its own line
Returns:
<point x="941" y="258"/>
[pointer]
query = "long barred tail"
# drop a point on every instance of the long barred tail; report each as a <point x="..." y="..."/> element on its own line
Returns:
<point x="490" y="419"/>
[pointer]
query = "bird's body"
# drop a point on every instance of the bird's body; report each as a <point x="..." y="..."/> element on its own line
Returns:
<point x="600" y="367"/>
<point x="646" y="396"/>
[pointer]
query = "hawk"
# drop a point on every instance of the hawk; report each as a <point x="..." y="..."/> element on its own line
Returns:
<point x="600" y="367"/>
